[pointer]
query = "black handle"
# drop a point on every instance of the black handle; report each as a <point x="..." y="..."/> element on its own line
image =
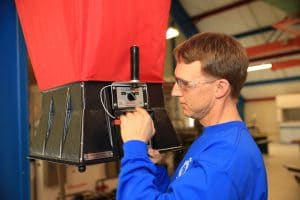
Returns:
<point x="134" y="61"/>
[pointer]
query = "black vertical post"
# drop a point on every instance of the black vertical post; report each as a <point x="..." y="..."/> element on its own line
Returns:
<point x="134" y="61"/>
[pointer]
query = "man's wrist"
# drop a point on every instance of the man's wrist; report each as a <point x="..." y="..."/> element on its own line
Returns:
<point x="135" y="148"/>
<point x="134" y="139"/>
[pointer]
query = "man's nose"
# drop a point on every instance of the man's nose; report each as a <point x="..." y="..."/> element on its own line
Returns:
<point x="176" y="90"/>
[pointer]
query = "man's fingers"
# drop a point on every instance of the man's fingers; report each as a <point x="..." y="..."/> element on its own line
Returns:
<point x="153" y="127"/>
<point x="122" y="118"/>
<point x="153" y="152"/>
<point x="129" y="114"/>
<point x="137" y="114"/>
<point x="141" y="111"/>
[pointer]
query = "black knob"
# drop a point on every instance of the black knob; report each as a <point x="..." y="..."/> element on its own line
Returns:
<point x="131" y="96"/>
<point x="81" y="168"/>
<point x="134" y="61"/>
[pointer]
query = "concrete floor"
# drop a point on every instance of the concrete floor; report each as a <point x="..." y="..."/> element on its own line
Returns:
<point x="282" y="184"/>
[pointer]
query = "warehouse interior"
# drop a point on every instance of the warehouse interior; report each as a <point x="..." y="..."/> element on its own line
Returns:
<point x="269" y="102"/>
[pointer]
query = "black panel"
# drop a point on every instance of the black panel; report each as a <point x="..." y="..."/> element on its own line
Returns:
<point x="98" y="136"/>
<point x="155" y="95"/>
<point x="165" y="137"/>
<point x="80" y="130"/>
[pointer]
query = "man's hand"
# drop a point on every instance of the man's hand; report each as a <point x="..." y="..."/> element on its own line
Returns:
<point x="155" y="156"/>
<point x="137" y="125"/>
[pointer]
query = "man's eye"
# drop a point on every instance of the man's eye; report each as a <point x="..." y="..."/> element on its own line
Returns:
<point x="184" y="83"/>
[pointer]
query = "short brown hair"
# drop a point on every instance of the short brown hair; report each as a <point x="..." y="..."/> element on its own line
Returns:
<point x="221" y="56"/>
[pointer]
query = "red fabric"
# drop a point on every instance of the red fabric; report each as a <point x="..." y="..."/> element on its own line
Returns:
<point x="80" y="40"/>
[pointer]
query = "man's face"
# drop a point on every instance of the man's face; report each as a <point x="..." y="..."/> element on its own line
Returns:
<point x="194" y="89"/>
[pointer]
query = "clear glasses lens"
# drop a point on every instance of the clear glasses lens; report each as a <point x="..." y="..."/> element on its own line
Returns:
<point x="189" y="84"/>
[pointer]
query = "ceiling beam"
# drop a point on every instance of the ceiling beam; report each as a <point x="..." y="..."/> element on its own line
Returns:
<point x="260" y="99"/>
<point x="183" y="20"/>
<point x="289" y="26"/>
<point x="272" y="81"/>
<point x="285" y="64"/>
<point x="277" y="55"/>
<point x="220" y="9"/>
<point x="273" y="48"/>
<point x="254" y="32"/>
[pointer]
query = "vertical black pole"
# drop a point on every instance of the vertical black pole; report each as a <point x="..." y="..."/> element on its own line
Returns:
<point x="134" y="61"/>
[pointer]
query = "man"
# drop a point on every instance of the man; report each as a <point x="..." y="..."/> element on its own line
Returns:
<point x="224" y="162"/>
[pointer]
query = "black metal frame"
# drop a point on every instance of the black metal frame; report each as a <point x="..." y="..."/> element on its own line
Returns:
<point x="75" y="129"/>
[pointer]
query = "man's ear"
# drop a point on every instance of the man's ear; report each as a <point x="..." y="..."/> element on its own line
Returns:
<point x="222" y="88"/>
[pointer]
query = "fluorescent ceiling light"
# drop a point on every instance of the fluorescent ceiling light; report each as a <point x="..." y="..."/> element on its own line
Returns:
<point x="172" y="33"/>
<point x="259" y="67"/>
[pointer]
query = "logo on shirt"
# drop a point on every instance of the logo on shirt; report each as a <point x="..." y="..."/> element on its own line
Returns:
<point x="184" y="167"/>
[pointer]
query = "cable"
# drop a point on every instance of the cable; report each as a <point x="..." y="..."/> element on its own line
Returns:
<point x="105" y="109"/>
<point x="101" y="95"/>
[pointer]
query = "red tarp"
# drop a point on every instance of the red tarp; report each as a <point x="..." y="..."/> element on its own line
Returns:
<point x="81" y="40"/>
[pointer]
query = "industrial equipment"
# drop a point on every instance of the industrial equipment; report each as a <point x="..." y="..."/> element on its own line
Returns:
<point x="79" y="125"/>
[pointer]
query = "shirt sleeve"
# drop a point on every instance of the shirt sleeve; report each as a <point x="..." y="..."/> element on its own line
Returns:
<point x="137" y="179"/>
<point x="162" y="179"/>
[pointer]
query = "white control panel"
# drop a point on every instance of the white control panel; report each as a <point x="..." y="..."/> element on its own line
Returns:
<point x="127" y="96"/>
